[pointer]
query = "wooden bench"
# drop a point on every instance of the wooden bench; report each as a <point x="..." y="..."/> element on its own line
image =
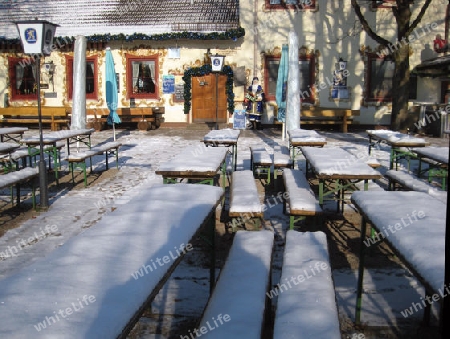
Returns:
<point x="79" y="159"/>
<point x="326" y="116"/>
<point x="281" y="159"/>
<point x="57" y="117"/>
<point x="260" y="162"/>
<point x="238" y="304"/>
<point x="15" y="178"/>
<point x="245" y="205"/>
<point x="300" y="197"/>
<point x="306" y="306"/>
<point x="98" y="283"/>
<point x="145" y="117"/>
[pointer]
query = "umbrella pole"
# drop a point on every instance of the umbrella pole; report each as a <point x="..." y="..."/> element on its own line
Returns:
<point x="114" y="131"/>
<point x="283" y="131"/>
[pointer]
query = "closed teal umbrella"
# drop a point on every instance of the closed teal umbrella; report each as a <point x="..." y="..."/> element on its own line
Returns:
<point x="281" y="91"/>
<point x="111" y="91"/>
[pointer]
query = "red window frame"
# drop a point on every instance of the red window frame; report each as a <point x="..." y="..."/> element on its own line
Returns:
<point x="132" y="92"/>
<point x="15" y="95"/>
<point x="69" y="71"/>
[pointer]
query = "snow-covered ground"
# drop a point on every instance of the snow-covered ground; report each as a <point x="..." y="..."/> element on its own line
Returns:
<point x="72" y="211"/>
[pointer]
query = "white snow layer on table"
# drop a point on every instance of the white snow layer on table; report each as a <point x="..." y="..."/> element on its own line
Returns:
<point x="306" y="301"/>
<point x="396" y="137"/>
<point x="334" y="160"/>
<point x="420" y="240"/>
<point x="222" y="135"/>
<point x="196" y="158"/>
<point x="437" y="153"/>
<point x="298" y="135"/>
<point x="260" y="155"/>
<point x="6" y="147"/>
<point x="241" y="289"/>
<point x="59" y="135"/>
<point x="14" y="177"/>
<point x="93" y="276"/>
<point x="281" y="156"/>
<point x="244" y="194"/>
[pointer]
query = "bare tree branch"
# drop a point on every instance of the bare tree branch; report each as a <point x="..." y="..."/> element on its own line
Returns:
<point x="419" y="16"/>
<point x="366" y="26"/>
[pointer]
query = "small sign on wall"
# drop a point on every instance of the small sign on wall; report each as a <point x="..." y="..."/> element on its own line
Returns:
<point x="168" y="84"/>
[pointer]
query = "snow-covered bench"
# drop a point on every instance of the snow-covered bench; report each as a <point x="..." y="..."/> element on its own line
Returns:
<point x="237" y="306"/>
<point x="261" y="161"/>
<point x="15" y="178"/>
<point x="300" y="197"/>
<point x="245" y="205"/>
<point x="78" y="160"/>
<point x="306" y="306"/>
<point x="281" y="159"/>
<point x="406" y="180"/>
<point x="97" y="283"/>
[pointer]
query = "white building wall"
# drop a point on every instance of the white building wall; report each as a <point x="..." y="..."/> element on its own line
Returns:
<point x="332" y="30"/>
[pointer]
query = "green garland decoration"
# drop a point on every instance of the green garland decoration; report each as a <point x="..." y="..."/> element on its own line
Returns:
<point x="201" y="71"/>
<point x="231" y="34"/>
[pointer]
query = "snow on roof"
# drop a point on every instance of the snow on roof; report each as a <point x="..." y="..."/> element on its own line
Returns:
<point x="102" y="276"/>
<point x="84" y="17"/>
<point x="415" y="228"/>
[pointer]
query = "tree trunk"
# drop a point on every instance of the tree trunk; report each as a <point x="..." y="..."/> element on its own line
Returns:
<point x="400" y="89"/>
<point x="400" y="83"/>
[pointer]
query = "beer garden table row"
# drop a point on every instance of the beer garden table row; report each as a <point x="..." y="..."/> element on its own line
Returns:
<point x="12" y="133"/>
<point x="51" y="139"/>
<point x="401" y="144"/>
<point x="335" y="165"/>
<point x="414" y="229"/>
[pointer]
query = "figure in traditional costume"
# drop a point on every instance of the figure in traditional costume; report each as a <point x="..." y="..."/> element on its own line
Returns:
<point x="254" y="100"/>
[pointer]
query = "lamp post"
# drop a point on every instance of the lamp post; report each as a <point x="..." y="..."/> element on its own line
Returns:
<point x="216" y="67"/>
<point x="37" y="39"/>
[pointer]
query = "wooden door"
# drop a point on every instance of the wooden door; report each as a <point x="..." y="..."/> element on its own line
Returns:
<point x="204" y="98"/>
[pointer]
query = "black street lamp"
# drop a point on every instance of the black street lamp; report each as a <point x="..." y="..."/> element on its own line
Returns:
<point x="216" y="67"/>
<point x="37" y="39"/>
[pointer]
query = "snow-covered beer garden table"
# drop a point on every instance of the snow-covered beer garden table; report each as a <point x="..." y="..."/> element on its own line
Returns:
<point x="50" y="141"/>
<point x="400" y="144"/>
<point x="6" y="133"/>
<point x="301" y="137"/>
<point x="195" y="163"/>
<point x="413" y="224"/>
<point x="335" y="165"/>
<point x="224" y="137"/>
<point x="97" y="284"/>
<point x="437" y="159"/>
